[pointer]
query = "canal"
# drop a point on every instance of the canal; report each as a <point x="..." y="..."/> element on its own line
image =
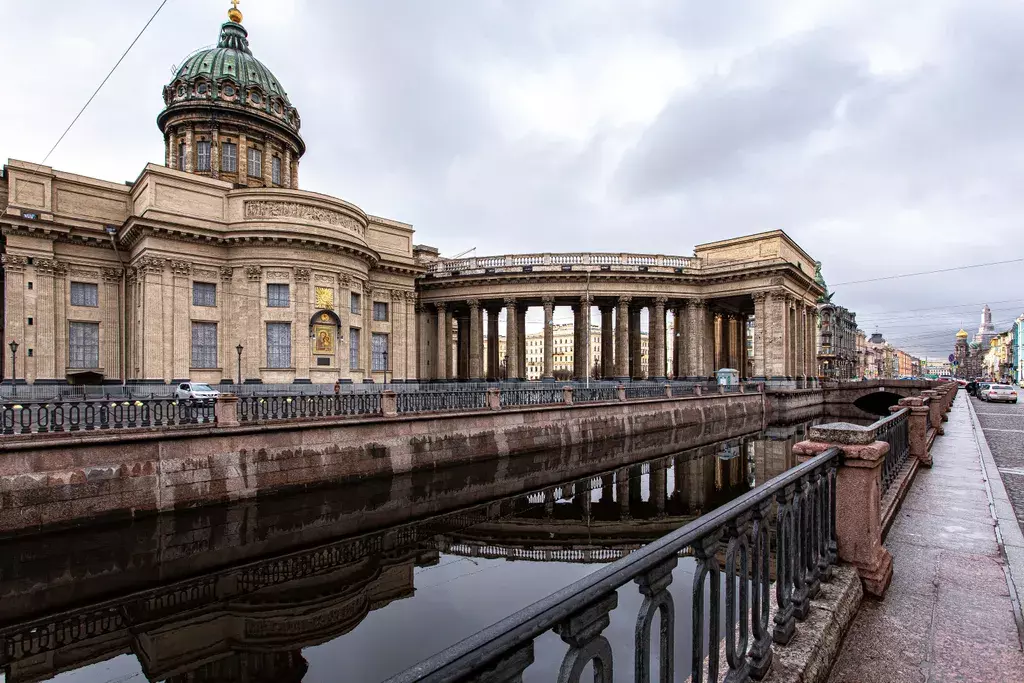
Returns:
<point x="358" y="582"/>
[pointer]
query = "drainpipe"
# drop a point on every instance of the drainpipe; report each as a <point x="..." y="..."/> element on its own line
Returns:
<point x="121" y="314"/>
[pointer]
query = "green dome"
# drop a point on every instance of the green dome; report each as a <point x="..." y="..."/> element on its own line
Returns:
<point x="229" y="75"/>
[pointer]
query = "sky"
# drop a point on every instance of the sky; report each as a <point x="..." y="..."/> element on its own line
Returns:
<point x="885" y="138"/>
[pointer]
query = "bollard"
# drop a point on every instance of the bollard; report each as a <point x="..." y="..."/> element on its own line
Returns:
<point x="388" y="403"/>
<point x="917" y="426"/>
<point x="567" y="395"/>
<point x="225" y="410"/>
<point x="859" y="498"/>
<point x="494" y="398"/>
<point x="935" y="406"/>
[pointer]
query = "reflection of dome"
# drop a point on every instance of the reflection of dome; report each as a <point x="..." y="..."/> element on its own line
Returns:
<point x="224" y="95"/>
<point x="962" y="334"/>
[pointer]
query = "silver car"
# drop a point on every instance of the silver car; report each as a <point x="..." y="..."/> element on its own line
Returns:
<point x="195" y="391"/>
<point x="997" y="392"/>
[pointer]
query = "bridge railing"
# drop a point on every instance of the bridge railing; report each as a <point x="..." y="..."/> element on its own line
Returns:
<point x="72" y="414"/>
<point x="893" y="430"/>
<point x="799" y="504"/>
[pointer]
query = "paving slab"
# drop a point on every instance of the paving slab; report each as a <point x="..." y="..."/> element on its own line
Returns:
<point x="951" y="612"/>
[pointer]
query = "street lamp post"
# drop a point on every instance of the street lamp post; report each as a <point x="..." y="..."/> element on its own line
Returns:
<point x="385" y="354"/>
<point x="239" y="350"/>
<point x="14" y="367"/>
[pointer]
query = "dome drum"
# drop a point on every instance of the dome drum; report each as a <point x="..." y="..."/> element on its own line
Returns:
<point x="223" y="92"/>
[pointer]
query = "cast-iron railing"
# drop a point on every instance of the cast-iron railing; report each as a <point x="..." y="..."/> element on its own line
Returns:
<point x="645" y="391"/>
<point x="261" y="408"/>
<point x="437" y="401"/>
<point x="894" y="430"/>
<point x="584" y="394"/>
<point x="87" y="415"/>
<point x="802" y="504"/>
<point x="532" y="396"/>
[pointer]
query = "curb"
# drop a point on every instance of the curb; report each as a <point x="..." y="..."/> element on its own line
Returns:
<point x="1008" y="532"/>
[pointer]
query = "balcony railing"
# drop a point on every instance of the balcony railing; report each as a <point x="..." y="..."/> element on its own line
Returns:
<point x="800" y="506"/>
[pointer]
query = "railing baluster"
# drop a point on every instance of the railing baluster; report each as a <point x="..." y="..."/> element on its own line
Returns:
<point x="706" y="572"/>
<point x="582" y="632"/>
<point x="654" y="587"/>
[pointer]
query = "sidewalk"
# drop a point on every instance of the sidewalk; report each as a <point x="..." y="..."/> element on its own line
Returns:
<point x="949" y="614"/>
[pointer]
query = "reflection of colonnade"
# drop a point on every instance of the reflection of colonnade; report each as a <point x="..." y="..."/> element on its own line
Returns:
<point x="690" y="338"/>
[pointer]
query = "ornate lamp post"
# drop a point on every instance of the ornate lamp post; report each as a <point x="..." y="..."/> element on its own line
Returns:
<point x="384" y="353"/>
<point x="14" y="367"/>
<point x="239" y="350"/>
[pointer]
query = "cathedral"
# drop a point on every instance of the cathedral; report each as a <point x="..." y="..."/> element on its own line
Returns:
<point x="968" y="356"/>
<point x="213" y="267"/>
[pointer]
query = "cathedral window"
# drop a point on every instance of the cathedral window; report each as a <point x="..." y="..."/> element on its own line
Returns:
<point x="229" y="157"/>
<point x="229" y="91"/>
<point x="84" y="345"/>
<point x="204" y="294"/>
<point x="204" y="345"/>
<point x="279" y="345"/>
<point x="275" y="171"/>
<point x="277" y="296"/>
<point x="353" y="348"/>
<point x="85" y="294"/>
<point x="379" y="358"/>
<point x="255" y="168"/>
<point x="203" y="155"/>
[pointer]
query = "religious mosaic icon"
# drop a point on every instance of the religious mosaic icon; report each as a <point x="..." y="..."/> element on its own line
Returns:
<point x="323" y="339"/>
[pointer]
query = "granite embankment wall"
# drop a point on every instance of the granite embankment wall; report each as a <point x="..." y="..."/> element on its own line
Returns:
<point x="55" y="480"/>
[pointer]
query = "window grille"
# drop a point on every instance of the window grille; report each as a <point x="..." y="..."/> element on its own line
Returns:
<point x="353" y="348"/>
<point x="277" y="296"/>
<point x="279" y="345"/>
<point x="204" y="294"/>
<point x="204" y="345"/>
<point x="84" y="345"/>
<point x="85" y="294"/>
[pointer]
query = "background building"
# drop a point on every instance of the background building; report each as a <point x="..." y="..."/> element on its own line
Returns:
<point x="967" y="357"/>
<point x="837" y="337"/>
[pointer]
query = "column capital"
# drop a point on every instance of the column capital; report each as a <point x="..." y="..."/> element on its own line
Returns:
<point x="548" y="300"/>
<point x="441" y="306"/>
<point x="14" y="263"/>
<point x="586" y="299"/>
<point x="254" y="273"/>
<point x="226" y="273"/>
<point x="660" y="300"/>
<point x="759" y="296"/>
<point x="473" y="304"/>
<point x="510" y="302"/>
<point x="697" y="302"/>
<point x="303" y="274"/>
<point x="625" y="299"/>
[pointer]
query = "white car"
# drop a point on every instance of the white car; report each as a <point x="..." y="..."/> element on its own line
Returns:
<point x="195" y="391"/>
<point x="997" y="392"/>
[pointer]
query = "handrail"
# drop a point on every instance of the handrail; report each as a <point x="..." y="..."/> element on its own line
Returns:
<point x="523" y="627"/>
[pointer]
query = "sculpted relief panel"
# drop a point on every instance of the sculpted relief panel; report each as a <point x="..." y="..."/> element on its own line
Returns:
<point x="266" y="208"/>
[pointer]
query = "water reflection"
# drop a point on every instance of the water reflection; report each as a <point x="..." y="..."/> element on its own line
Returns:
<point x="366" y="579"/>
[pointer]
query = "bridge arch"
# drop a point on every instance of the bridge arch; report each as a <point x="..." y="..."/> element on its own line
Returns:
<point x="878" y="402"/>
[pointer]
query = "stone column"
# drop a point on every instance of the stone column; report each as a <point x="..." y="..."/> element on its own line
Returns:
<point x="190" y="163"/>
<point x="812" y="340"/>
<point x="607" y="343"/>
<point x="586" y="301"/>
<point x="775" y="336"/>
<point x="548" y="373"/>
<point x="112" y="291"/>
<point x="464" y="345"/>
<point x="215" y="154"/>
<point x="412" y="332"/>
<point x="243" y="159"/>
<point x="695" y="313"/>
<point x="657" y="365"/>
<point x="511" y="339"/>
<point x="622" y="339"/>
<point x="713" y="345"/>
<point x="732" y="359"/>
<point x="475" y="341"/>
<point x="521" y="343"/>
<point x="441" y="366"/>
<point x="636" y="368"/>
<point x="679" y="346"/>
<point x="578" y="362"/>
<point x="181" y="326"/>
<point x="493" y="360"/>
<point x="449" y="343"/>
<point x="760" y="330"/>
<point x="744" y="360"/>
<point x="791" y="337"/>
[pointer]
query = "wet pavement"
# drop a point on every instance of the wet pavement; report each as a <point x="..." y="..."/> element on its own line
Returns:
<point x="949" y="614"/>
<point x="1003" y="424"/>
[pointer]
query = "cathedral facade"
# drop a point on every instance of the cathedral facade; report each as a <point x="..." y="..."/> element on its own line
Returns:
<point x="213" y="267"/>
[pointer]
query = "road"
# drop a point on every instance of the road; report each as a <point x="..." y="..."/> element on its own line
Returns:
<point x="1003" y="424"/>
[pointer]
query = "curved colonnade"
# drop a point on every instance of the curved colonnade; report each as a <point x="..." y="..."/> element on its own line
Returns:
<point x="701" y="310"/>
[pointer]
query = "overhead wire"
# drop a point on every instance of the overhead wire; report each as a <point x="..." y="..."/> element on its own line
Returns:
<point x="104" y="81"/>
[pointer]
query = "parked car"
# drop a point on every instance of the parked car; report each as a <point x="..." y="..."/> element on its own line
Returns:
<point x="981" y="387"/>
<point x="195" y="391"/>
<point x="998" y="392"/>
<point x="972" y="388"/>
